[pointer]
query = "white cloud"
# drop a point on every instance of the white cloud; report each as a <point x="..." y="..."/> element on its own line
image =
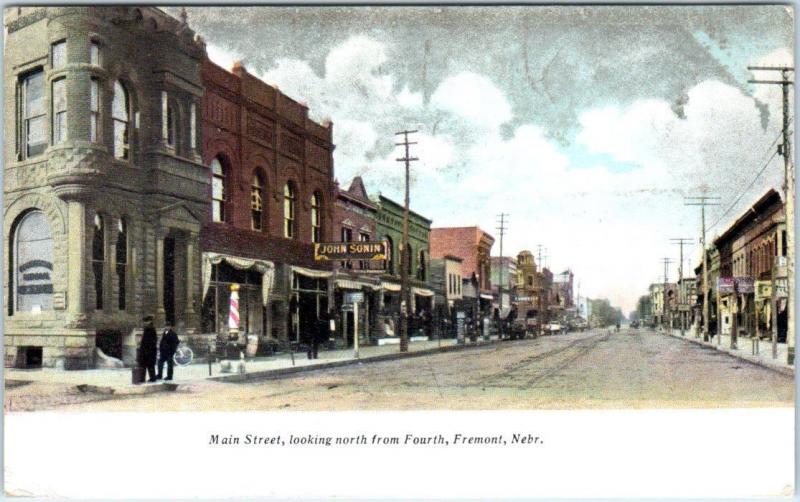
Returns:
<point x="223" y="57"/>
<point x="474" y="98"/>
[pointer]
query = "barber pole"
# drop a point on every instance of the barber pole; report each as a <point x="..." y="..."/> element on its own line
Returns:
<point x="233" y="315"/>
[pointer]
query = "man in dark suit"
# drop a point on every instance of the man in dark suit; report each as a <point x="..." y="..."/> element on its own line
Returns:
<point x="149" y="348"/>
<point x="167" y="347"/>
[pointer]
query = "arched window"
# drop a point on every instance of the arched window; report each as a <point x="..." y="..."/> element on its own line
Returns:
<point x="98" y="259"/>
<point x="389" y="262"/>
<point x="256" y="202"/>
<point x="316" y="217"/>
<point x="289" y="199"/>
<point x="217" y="191"/>
<point x="32" y="264"/>
<point x="120" y="113"/>
<point x="171" y="123"/>
<point x="122" y="263"/>
<point x="421" y="265"/>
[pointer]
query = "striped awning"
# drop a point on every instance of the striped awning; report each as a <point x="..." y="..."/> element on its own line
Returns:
<point x="354" y="284"/>
<point x="422" y="292"/>
<point x="390" y="286"/>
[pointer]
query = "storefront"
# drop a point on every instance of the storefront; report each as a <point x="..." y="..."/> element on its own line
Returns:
<point x="345" y="289"/>
<point x="307" y="300"/>
<point x="254" y="278"/>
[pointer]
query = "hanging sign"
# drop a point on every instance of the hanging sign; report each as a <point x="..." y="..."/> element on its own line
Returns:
<point x="744" y="285"/>
<point x="725" y="285"/>
<point x="362" y="250"/>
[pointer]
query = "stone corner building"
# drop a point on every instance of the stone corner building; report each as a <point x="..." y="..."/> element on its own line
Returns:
<point x="105" y="190"/>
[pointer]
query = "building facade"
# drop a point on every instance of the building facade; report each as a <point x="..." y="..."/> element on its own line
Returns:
<point x="505" y="267"/>
<point x="354" y="220"/>
<point x="446" y="282"/>
<point x="105" y="188"/>
<point x="389" y="227"/>
<point x="269" y="170"/>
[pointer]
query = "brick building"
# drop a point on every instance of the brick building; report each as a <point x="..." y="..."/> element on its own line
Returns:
<point x="751" y="252"/>
<point x="474" y="247"/>
<point x="354" y="220"/>
<point x="105" y="190"/>
<point x="533" y="293"/>
<point x="270" y="174"/>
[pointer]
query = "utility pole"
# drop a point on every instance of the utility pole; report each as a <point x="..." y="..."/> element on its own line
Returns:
<point x="681" y="300"/>
<point x="665" y="309"/>
<point x="788" y="198"/>
<point x="502" y="229"/>
<point x="703" y="201"/>
<point x="405" y="258"/>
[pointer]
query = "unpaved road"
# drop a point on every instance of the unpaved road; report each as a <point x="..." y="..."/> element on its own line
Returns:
<point x="596" y="369"/>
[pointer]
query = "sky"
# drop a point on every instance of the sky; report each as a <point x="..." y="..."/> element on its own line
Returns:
<point x="587" y="124"/>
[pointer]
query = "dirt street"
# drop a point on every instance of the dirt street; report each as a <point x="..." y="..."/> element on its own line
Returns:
<point x="596" y="369"/>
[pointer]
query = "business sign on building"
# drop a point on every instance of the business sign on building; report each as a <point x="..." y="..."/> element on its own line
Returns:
<point x="354" y="297"/>
<point x="763" y="290"/>
<point x="350" y="251"/>
<point x="726" y="285"/>
<point x="744" y="285"/>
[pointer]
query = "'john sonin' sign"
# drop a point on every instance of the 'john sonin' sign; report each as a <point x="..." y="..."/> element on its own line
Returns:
<point x="350" y="250"/>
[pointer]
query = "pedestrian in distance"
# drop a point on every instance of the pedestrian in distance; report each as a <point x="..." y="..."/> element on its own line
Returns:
<point x="148" y="349"/>
<point x="167" y="347"/>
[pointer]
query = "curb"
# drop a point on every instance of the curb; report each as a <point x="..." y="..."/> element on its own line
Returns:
<point x="283" y="372"/>
<point x="127" y="390"/>
<point x="777" y="367"/>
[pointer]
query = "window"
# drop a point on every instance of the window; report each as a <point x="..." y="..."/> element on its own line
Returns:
<point x="193" y="126"/>
<point x="316" y="217"/>
<point x="94" y="109"/>
<point x="347" y="236"/>
<point x="783" y="242"/>
<point x="32" y="264"/>
<point x="59" y="111"/>
<point x="120" y="113"/>
<point x="363" y="264"/>
<point x="217" y="191"/>
<point x="170" y="125"/>
<point x="34" y="114"/>
<point x="98" y="259"/>
<point x="389" y="262"/>
<point x="94" y="53"/>
<point x="122" y="262"/>
<point x="421" y="265"/>
<point x="256" y="202"/>
<point x="58" y="54"/>
<point x="288" y="210"/>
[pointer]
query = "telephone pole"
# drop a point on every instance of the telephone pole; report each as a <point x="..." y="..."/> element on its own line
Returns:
<point x="788" y="197"/>
<point x="502" y="229"/>
<point x="681" y="300"/>
<point x="405" y="259"/>
<point x="665" y="310"/>
<point x="703" y="201"/>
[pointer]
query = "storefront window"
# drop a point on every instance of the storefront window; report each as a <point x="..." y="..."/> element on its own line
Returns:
<point x="216" y="303"/>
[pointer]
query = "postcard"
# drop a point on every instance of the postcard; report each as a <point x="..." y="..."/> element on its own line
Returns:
<point x="464" y="243"/>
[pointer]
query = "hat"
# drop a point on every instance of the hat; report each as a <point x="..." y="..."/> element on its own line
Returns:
<point x="148" y="318"/>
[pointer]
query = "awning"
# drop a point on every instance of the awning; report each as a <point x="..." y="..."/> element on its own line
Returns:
<point x="422" y="292"/>
<point x="354" y="284"/>
<point x="390" y="286"/>
<point x="487" y="297"/>
<point x="266" y="268"/>
<point x="314" y="274"/>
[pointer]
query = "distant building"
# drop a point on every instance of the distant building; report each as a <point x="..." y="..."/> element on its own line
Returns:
<point x="506" y="267"/>
<point x="446" y="282"/>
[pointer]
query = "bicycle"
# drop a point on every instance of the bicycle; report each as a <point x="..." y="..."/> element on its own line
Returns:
<point x="183" y="355"/>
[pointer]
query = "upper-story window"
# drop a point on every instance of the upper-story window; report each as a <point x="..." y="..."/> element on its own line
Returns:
<point x="120" y="113"/>
<point x="217" y="190"/>
<point x="421" y="265"/>
<point x="59" y="111"/>
<point x="289" y="199"/>
<point x="389" y="262"/>
<point x="347" y="236"/>
<point x="193" y="126"/>
<point x="256" y="202"/>
<point x="94" y="53"/>
<point x="34" y="127"/>
<point x="98" y="259"/>
<point x="316" y="217"/>
<point x="363" y="237"/>
<point x="58" y="54"/>
<point x="94" y="109"/>
<point x="170" y="125"/>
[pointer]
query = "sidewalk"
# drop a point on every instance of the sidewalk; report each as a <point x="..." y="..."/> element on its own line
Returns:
<point x="257" y="368"/>
<point x="744" y="350"/>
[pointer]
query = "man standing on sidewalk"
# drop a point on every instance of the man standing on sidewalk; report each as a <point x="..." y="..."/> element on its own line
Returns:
<point x="168" y="345"/>
<point x="148" y="349"/>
